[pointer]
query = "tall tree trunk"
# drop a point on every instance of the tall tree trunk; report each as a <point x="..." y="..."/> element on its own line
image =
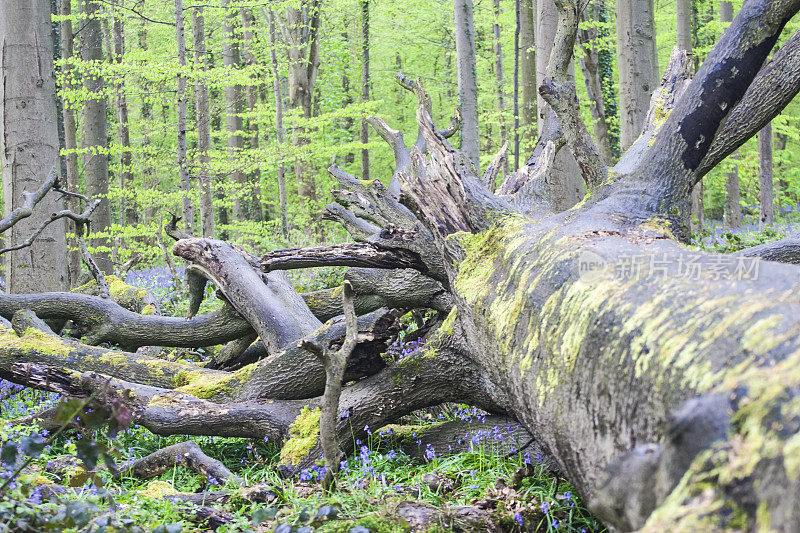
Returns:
<point x="638" y="65"/>
<point x="684" y="17"/>
<point x="183" y="165"/>
<point x="29" y="145"/>
<point x="527" y="72"/>
<point x="765" y="176"/>
<point x="276" y="88"/>
<point x="70" y="135"/>
<point x="732" y="208"/>
<point x="566" y="185"/>
<point x="301" y="33"/>
<point x="498" y="72"/>
<point x="95" y="140"/>
<point x="783" y="184"/>
<point x="233" y="113"/>
<point x="590" y="68"/>
<point x="202" y="106"/>
<point x="256" y="210"/>
<point x="467" y="79"/>
<point x="517" y="31"/>
<point x="364" y="85"/>
<point x="128" y="209"/>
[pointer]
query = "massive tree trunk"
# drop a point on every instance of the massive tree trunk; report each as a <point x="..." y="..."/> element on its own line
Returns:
<point x="94" y="144"/>
<point x="202" y="106"/>
<point x="29" y="145"/>
<point x="662" y="381"/>
<point x="467" y="79"/>
<point x="638" y="65"/>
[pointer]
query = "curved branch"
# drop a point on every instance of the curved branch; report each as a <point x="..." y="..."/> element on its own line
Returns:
<point x="786" y="250"/>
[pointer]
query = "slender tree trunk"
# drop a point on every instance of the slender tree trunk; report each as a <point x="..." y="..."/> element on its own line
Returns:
<point x="517" y="29"/>
<point x="732" y="208"/>
<point x="364" y="86"/>
<point x="783" y="183"/>
<point x="128" y="210"/>
<point x="590" y="68"/>
<point x="95" y="140"/>
<point x="527" y="72"/>
<point x="70" y="135"/>
<point x="638" y="65"/>
<point x="29" y="143"/>
<point x="765" y="175"/>
<point x="251" y="99"/>
<point x="276" y="88"/>
<point x="301" y="33"/>
<point x="566" y="185"/>
<point x="467" y="79"/>
<point x="233" y="107"/>
<point x="203" y="124"/>
<point x="498" y="71"/>
<point x="183" y="167"/>
<point x="685" y="31"/>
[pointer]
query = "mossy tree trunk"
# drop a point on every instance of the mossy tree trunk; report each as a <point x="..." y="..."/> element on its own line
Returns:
<point x="662" y="381"/>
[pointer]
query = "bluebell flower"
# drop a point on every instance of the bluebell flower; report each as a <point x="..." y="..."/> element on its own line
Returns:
<point x="545" y="507"/>
<point x="518" y="519"/>
<point x="305" y="475"/>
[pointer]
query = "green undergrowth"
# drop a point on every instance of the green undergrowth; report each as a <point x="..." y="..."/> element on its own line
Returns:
<point x="375" y="480"/>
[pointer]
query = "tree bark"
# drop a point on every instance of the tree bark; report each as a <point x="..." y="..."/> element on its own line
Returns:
<point x="732" y="208"/>
<point x="498" y="72"/>
<point x="256" y="207"/>
<point x="566" y="187"/>
<point x="187" y="207"/>
<point x="276" y="88"/>
<point x="128" y="209"/>
<point x="638" y="65"/>
<point x="94" y="144"/>
<point x="203" y="124"/>
<point x="233" y="114"/>
<point x="527" y="72"/>
<point x="29" y="137"/>
<point x="70" y="134"/>
<point x="765" y="176"/>
<point x="467" y="79"/>
<point x="365" y="81"/>
<point x="590" y="68"/>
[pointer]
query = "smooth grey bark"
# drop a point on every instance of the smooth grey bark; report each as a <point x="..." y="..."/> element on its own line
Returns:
<point x="527" y="71"/>
<point x="94" y="144"/>
<point x="128" y="209"/>
<point x="638" y="65"/>
<point x="70" y="134"/>
<point x="566" y="186"/>
<point x="256" y="207"/>
<point x="365" y="82"/>
<point x="590" y="68"/>
<point x="765" y="176"/>
<point x="685" y="31"/>
<point x="498" y="72"/>
<point x="467" y="79"/>
<point x="233" y="113"/>
<point x="187" y="207"/>
<point x="202" y="106"/>
<point x="732" y="208"/>
<point x="29" y="142"/>
<point x="301" y="34"/>
<point x="276" y="88"/>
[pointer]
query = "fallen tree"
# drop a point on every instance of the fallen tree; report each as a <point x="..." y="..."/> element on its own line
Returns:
<point x="662" y="381"/>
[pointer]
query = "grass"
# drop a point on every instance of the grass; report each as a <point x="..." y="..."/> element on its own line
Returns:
<point x="376" y="480"/>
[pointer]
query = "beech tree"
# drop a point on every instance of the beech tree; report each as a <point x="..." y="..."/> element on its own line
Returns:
<point x="662" y="381"/>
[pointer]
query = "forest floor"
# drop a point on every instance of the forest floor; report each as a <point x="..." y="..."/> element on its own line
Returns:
<point x="379" y="489"/>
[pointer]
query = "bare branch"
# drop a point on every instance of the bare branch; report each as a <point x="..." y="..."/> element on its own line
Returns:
<point x="31" y="199"/>
<point x="347" y="254"/>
